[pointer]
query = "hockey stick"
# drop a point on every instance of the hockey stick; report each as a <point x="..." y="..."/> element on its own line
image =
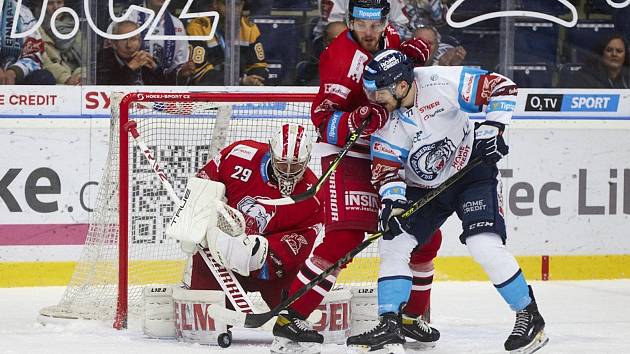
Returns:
<point x="309" y="193"/>
<point x="252" y="320"/>
<point x="226" y="279"/>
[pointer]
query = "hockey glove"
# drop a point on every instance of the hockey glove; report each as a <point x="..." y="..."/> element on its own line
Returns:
<point x="489" y="143"/>
<point x="388" y="220"/>
<point x="377" y="115"/>
<point x="417" y="50"/>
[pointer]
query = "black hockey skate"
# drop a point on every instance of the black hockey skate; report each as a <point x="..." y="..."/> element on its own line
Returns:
<point x="528" y="334"/>
<point x="295" y="335"/>
<point x="386" y="337"/>
<point x="416" y="328"/>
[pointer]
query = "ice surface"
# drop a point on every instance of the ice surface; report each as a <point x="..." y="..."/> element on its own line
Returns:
<point x="582" y="317"/>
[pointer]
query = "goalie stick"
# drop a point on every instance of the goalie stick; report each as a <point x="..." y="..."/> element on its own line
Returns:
<point x="255" y="320"/>
<point x="226" y="279"/>
<point x="309" y="193"/>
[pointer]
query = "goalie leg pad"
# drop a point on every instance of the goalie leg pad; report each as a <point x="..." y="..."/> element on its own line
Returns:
<point x="158" y="319"/>
<point x="335" y="320"/>
<point x="197" y="211"/>
<point x="364" y="305"/>
<point x="242" y="254"/>
<point x="192" y="321"/>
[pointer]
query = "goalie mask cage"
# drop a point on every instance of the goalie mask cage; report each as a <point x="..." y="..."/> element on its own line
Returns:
<point x="125" y="248"/>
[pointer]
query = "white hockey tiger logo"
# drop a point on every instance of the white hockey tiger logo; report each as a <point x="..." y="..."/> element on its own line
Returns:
<point x="256" y="217"/>
<point x="429" y="160"/>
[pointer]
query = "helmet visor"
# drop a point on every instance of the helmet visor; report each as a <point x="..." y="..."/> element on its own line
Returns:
<point x="362" y="25"/>
<point x="378" y="95"/>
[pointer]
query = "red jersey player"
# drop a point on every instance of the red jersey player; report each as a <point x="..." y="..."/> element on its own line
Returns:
<point x="339" y="108"/>
<point x="277" y="240"/>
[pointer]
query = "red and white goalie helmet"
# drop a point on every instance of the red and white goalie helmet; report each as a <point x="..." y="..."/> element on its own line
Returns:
<point x="290" y="148"/>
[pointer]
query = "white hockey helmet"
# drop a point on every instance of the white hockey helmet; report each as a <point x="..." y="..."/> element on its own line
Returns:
<point x="290" y="148"/>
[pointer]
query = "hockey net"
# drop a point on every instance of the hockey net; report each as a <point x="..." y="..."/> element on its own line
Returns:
<point x="126" y="249"/>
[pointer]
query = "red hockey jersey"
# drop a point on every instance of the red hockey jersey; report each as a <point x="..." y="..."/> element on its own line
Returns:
<point x="341" y="88"/>
<point x="243" y="168"/>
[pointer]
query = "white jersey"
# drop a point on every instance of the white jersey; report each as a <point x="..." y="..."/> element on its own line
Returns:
<point x="433" y="139"/>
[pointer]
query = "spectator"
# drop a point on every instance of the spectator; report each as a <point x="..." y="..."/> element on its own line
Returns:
<point x="63" y="56"/>
<point x="308" y="71"/>
<point x="441" y="53"/>
<point x="21" y="58"/>
<point x="208" y="57"/>
<point x="124" y="63"/>
<point x="423" y="13"/>
<point x="608" y="70"/>
<point x="171" y="57"/>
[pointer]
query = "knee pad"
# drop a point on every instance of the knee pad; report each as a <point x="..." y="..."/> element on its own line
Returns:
<point x="428" y="251"/>
<point x="323" y="264"/>
<point x="395" y="255"/>
<point x="489" y="251"/>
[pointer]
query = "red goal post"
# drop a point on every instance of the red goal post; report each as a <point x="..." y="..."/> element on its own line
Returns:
<point x="125" y="248"/>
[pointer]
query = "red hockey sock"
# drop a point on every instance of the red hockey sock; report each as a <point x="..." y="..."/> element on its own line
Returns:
<point x="420" y="297"/>
<point x="422" y="270"/>
<point x="311" y="300"/>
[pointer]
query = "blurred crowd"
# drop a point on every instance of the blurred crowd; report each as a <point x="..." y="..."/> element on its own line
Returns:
<point x="279" y="42"/>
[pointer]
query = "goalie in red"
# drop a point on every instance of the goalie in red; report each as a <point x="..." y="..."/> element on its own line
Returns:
<point x="276" y="239"/>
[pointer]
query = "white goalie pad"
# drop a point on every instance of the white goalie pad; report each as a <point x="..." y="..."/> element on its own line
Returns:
<point x="197" y="211"/>
<point x="364" y="308"/>
<point x="193" y="324"/>
<point x="335" y="321"/>
<point x="158" y="319"/>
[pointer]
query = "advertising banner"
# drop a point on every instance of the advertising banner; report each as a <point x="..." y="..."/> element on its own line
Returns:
<point x="566" y="181"/>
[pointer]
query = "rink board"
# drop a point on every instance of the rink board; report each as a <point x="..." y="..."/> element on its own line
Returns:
<point x="566" y="184"/>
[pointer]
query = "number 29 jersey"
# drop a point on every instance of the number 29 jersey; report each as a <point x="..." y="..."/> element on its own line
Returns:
<point x="244" y="168"/>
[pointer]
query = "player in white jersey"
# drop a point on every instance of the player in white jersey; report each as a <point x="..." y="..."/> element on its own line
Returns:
<point x="429" y="137"/>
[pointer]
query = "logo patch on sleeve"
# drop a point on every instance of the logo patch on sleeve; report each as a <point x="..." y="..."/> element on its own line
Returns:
<point x="243" y="151"/>
<point x="336" y="89"/>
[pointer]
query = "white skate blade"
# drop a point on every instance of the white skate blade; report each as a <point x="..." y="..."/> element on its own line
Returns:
<point x="387" y="349"/>
<point x="417" y="345"/>
<point x="283" y="345"/>
<point x="539" y="341"/>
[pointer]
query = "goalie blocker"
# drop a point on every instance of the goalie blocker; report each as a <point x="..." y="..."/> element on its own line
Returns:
<point x="176" y="313"/>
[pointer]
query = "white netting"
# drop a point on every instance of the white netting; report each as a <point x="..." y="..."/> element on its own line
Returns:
<point x="182" y="137"/>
